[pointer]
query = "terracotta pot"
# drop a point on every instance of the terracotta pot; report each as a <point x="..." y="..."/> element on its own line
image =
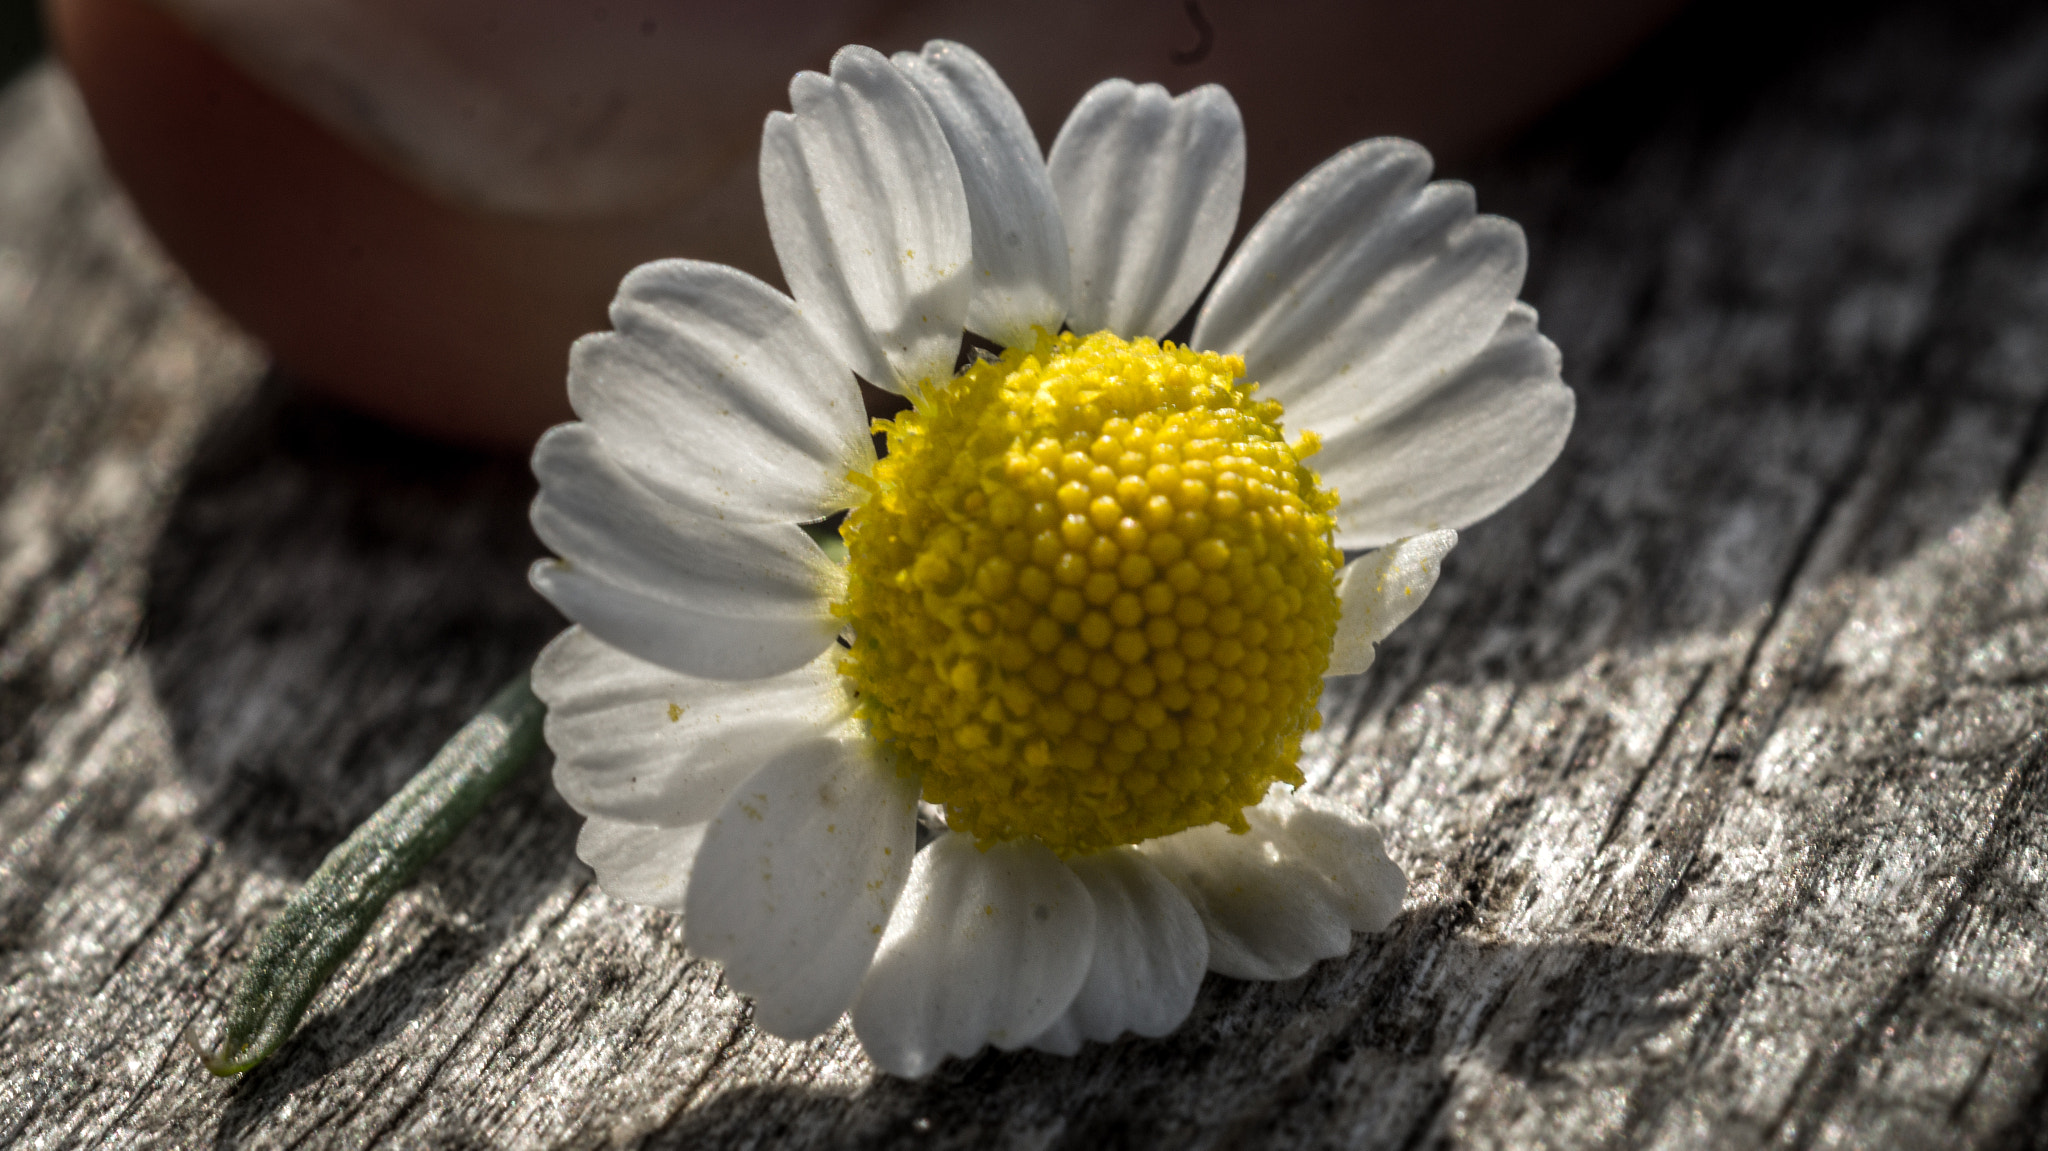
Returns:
<point x="440" y="286"/>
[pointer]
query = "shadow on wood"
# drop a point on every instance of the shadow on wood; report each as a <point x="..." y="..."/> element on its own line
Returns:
<point x="370" y="1015"/>
<point x="324" y="597"/>
<point x="1418" y="1007"/>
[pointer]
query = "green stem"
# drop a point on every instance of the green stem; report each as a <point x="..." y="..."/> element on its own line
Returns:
<point x="329" y="916"/>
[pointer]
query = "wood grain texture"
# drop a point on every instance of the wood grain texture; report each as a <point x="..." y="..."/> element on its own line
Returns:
<point x="1717" y="762"/>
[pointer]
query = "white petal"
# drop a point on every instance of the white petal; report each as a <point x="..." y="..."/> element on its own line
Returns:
<point x="1150" y="953"/>
<point x="1348" y="852"/>
<point x="640" y="864"/>
<point x="1378" y="592"/>
<point x="796" y="877"/>
<point x="1362" y="285"/>
<point x="715" y="392"/>
<point x="1020" y="247"/>
<point x="869" y="220"/>
<point x="1452" y="453"/>
<point x="985" y="947"/>
<point x="638" y="742"/>
<point x="1062" y="1038"/>
<point x="700" y="595"/>
<point x="1287" y="893"/>
<point x="1149" y="186"/>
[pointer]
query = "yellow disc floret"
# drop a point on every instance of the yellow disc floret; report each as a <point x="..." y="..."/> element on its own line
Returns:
<point x="1092" y="593"/>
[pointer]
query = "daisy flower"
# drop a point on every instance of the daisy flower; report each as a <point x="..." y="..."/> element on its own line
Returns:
<point x="1091" y="590"/>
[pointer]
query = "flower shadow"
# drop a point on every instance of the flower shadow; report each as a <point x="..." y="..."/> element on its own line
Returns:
<point x="1346" y="1046"/>
<point x="329" y="600"/>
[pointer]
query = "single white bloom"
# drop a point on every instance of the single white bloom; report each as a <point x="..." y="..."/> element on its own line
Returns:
<point x="1091" y="591"/>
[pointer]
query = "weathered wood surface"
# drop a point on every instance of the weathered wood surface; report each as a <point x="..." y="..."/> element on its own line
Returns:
<point x="1717" y="762"/>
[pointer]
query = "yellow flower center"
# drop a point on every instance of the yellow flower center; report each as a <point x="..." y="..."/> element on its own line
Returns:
<point x="1092" y="593"/>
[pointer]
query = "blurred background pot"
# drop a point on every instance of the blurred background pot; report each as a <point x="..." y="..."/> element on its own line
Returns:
<point x="418" y="205"/>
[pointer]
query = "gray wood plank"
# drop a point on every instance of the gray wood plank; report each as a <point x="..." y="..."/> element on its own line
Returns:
<point x="1717" y="762"/>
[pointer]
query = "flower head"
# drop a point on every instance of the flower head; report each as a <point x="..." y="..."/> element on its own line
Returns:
<point x="1091" y="591"/>
<point x="1092" y="595"/>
